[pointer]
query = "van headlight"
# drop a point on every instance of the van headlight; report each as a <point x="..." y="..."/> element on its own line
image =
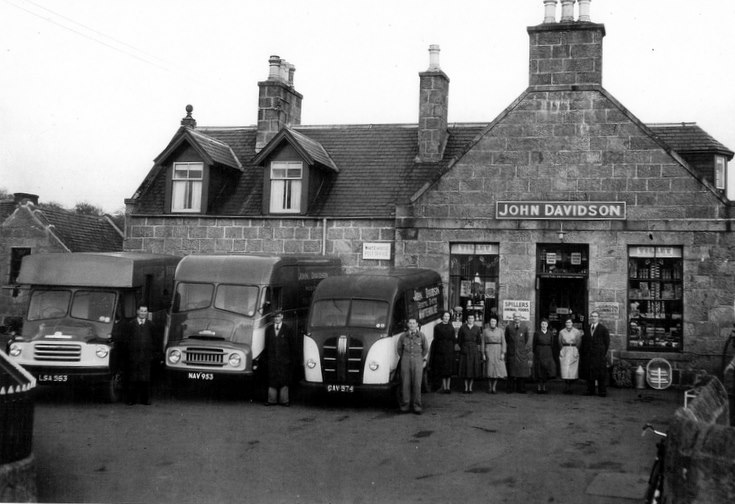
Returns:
<point x="101" y="351"/>
<point x="310" y="363"/>
<point x="234" y="360"/>
<point x="373" y="366"/>
<point x="15" y="350"/>
<point x="174" y="356"/>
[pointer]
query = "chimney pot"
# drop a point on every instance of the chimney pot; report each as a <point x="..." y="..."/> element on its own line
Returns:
<point x="584" y="11"/>
<point x="550" y="11"/>
<point x="567" y="11"/>
<point x="291" y="71"/>
<point x="274" y="67"/>
<point x="434" y="57"/>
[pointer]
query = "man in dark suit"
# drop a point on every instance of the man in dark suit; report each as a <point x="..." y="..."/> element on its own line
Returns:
<point x="595" y="344"/>
<point x="137" y="356"/>
<point x="280" y="352"/>
<point x="518" y="353"/>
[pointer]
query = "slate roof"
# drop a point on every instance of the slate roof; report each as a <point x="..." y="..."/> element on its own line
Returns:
<point x="376" y="164"/>
<point x="688" y="138"/>
<point x="6" y="208"/>
<point x="377" y="169"/>
<point x="81" y="233"/>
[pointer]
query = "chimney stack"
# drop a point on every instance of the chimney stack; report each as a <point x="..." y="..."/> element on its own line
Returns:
<point x="433" y="109"/>
<point x="279" y="104"/>
<point x="566" y="53"/>
<point x="21" y="197"/>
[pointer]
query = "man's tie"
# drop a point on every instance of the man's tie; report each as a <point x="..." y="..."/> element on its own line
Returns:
<point x="593" y="328"/>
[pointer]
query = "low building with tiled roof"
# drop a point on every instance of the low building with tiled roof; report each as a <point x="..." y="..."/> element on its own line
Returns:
<point x="563" y="204"/>
<point x="32" y="229"/>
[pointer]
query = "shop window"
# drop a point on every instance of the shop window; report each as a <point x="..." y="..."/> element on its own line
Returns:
<point x="655" y="299"/>
<point x="186" y="187"/>
<point x="473" y="279"/>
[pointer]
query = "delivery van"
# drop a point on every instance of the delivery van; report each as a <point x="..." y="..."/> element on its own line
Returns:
<point x="78" y="305"/>
<point x="355" y="322"/>
<point x="222" y="306"/>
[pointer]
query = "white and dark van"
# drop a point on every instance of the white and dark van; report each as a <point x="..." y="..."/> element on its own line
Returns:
<point x="355" y="322"/>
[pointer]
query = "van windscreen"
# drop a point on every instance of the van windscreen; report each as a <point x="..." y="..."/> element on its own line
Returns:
<point x="48" y="304"/>
<point x="350" y="313"/>
<point x="192" y="296"/>
<point x="240" y="299"/>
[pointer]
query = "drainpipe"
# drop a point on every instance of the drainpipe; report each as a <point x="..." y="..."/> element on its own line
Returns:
<point x="324" y="236"/>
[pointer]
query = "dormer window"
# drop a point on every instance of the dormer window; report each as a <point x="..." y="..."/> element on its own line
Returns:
<point x="720" y="172"/>
<point x="186" y="193"/>
<point x="286" y="186"/>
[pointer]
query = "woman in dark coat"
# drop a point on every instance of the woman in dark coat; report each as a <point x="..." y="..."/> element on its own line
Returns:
<point x="470" y="353"/>
<point x="442" y="352"/>
<point x="544" y="365"/>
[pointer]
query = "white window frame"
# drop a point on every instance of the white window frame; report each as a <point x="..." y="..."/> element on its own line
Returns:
<point x="186" y="192"/>
<point x="286" y="186"/>
<point x="720" y="172"/>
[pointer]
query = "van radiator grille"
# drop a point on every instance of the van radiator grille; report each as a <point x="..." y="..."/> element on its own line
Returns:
<point x="57" y="352"/>
<point x="342" y="360"/>
<point x="204" y="357"/>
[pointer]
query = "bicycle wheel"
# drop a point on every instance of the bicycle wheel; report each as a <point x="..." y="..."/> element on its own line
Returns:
<point x="655" y="483"/>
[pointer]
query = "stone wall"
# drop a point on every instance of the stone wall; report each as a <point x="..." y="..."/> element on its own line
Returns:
<point x="700" y="457"/>
<point x="214" y="235"/>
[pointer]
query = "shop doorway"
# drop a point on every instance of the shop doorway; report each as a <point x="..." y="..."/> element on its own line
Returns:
<point x="559" y="298"/>
<point x="561" y="285"/>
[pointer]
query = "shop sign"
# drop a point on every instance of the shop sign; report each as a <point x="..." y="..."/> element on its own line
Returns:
<point x="607" y="311"/>
<point x="376" y="250"/>
<point x="561" y="210"/>
<point x="511" y="307"/>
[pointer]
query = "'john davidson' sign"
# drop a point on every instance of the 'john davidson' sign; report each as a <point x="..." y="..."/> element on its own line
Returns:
<point x="569" y="210"/>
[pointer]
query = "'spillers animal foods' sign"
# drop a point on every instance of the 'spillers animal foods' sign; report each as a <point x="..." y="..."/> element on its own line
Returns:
<point x="571" y="210"/>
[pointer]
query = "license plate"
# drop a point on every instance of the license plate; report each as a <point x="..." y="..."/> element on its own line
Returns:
<point x="344" y="389"/>
<point x="200" y="376"/>
<point x="53" y="378"/>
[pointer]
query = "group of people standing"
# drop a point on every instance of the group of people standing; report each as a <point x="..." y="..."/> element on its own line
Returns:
<point x="514" y="354"/>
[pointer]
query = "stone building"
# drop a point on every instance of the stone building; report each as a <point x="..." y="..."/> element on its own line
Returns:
<point x="563" y="204"/>
<point x="27" y="229"/>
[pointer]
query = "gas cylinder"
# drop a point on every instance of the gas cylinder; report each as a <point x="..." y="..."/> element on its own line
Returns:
<point x="640" y="378"/>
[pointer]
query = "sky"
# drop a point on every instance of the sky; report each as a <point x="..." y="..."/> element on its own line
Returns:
<point x="92" y="90"/>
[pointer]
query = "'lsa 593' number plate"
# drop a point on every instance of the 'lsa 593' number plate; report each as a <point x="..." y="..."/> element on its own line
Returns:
<point x="53" y="378"/>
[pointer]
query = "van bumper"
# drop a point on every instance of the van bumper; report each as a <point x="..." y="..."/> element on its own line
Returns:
<point x="46" y="375"/>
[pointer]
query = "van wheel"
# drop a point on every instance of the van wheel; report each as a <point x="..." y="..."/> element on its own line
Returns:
<point x="111" y="391"/>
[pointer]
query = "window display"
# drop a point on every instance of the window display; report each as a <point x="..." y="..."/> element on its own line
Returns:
<point x="473" y="279"/>
<point x="655" y="299"/>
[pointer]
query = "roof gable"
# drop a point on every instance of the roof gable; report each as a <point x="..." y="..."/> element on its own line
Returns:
<point x="309" y="150"/>
<point x="211" y="150"/>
